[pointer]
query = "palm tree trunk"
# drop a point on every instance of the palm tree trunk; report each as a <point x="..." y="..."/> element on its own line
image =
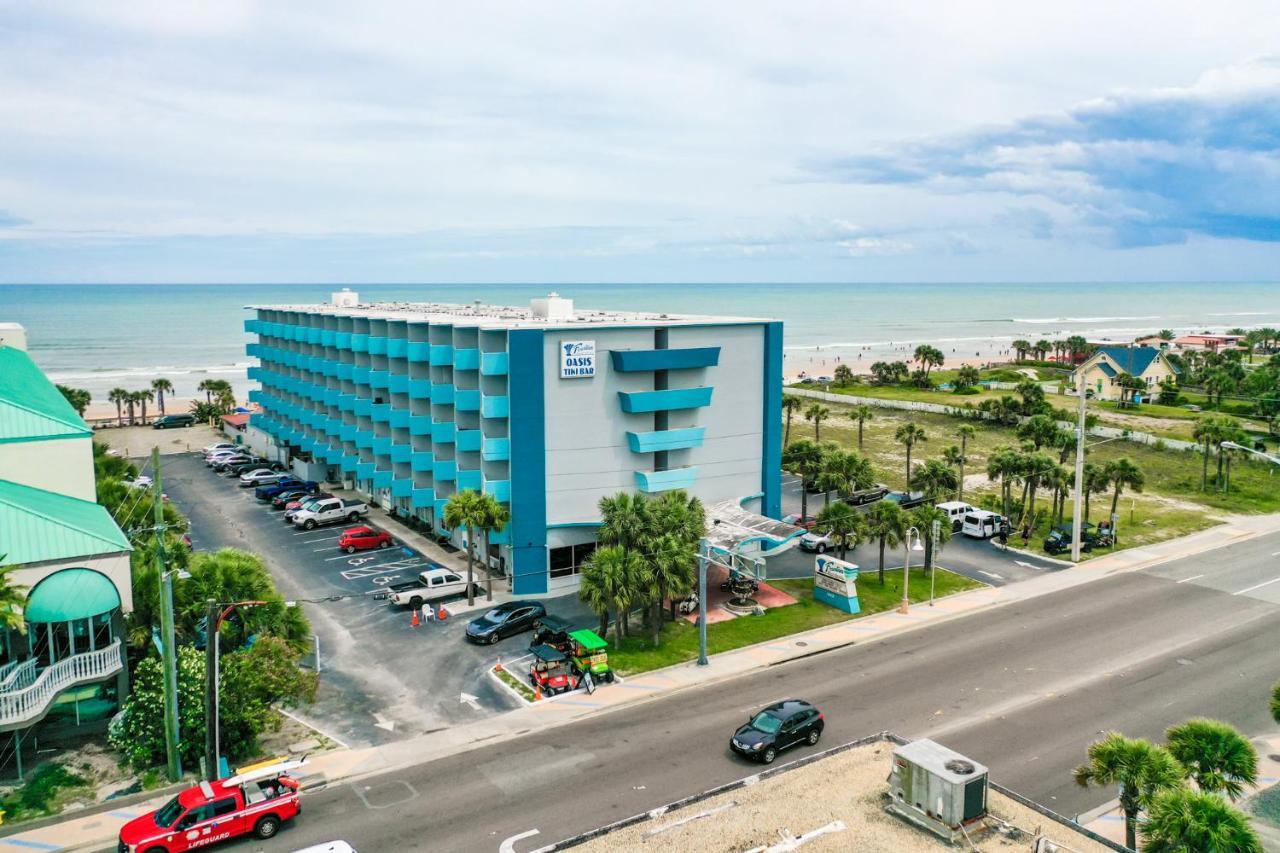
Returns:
<point x="859" y="433"/>
<point x="160" y="401"/>
<point x="471" y="597"/>
<point x="120" y="416"/>
<point x="1204" y="472"/>
<point x="960" y="482"/>
<point x="1217" y="481"/>
<point x="656" y="620"/>
<point x="1086" y="505"/>
<point x="817" y="437"/>
<point x="881" y="561"/>
<point x="604" y="622"/>
<point x="1115" y="499"/>
<point x="786" y="435"/>
<point x="804" y="499"/>
<point x="488" y="571"/>
<point x="143" y="402"/>
<point x="907" y="488"/>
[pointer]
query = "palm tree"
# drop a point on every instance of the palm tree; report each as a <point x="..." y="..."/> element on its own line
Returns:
<point x="13" y="600"/>
<point x="1141" y="769"/>
<point x="603" y="586"/>
<point x="935" y="478"/>
<point x="1020" y="347"/>
<point x="1123" y="472"/>
<point x="1275" y="702"/>
<point x="844" y="524"/>
<point x="816" y="413"/>
<point x="1039" y="430"/>
<point x="861" y="414"/>
<point x="624" y="518"/>
<point x="790" y="403"/>
<point x="466" y="510"/>
<point x="1038" y="467"/>
<point x="144" y="396"/>
<point x="966" y="432"/>
<point x="208" y="386"/>
<point x="953" y="458"/>
<point x="119" y="396"/>
<point x="674" y="523"/>
<point x="804" y="459"/>
<point x="887" y="523"/>
<point x="844" y="472"/>
<point x="1216" y="755"/>
<point x="77" y="397"/>
<point x="935" y="528"/>
<point x="496" y="515"/>
<point x="1096" y="480"/>
<point x="225" y="399"/>
<point x="674" y="569"/>
<point x="161" y="387"/>
<point x="1183" y="821"/>
<point x="1206" y="433"/>
<point x="1166" y="334"/>
<point x="1061" y="481"/>
<point x="130" y="401"/>
<point x="929" y="357"/>
<point x="1004" y="465"/>
<point x="908" y="435"/>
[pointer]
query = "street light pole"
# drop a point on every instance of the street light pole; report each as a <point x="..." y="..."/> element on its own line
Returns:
<point x="168" y="649"/>
<point x="215" y="613"/>
<point x="1077" y="516"/>
<point x="933" y="570"/>
<point x="703" y="546"/>
<point x="905" y="606"/>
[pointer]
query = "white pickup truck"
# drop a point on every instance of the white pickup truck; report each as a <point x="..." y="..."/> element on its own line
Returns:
<point x="433" y="584"/>
<point x="329" y="511"/>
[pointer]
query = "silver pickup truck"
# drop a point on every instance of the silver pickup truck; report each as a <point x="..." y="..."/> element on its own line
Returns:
<point x="328" y="511"/>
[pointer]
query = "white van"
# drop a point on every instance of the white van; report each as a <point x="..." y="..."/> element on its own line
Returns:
<point x="956" y="511"/>
<point x="981" y="523"/>
<point x="331" y="847"/>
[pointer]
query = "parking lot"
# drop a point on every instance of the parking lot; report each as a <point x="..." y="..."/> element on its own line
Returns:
<point x="381" y="678"/>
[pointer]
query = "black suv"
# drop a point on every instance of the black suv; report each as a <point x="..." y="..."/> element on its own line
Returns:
<point x="776" y="728"/>
<point x="166" y="421"/>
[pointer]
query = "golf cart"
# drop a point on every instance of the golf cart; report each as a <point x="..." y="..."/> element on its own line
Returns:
<point x="551" y="671"/>
<point x="551" y="631"/>
<point x="1059" y="539"/>
<point x="587" y="649"/>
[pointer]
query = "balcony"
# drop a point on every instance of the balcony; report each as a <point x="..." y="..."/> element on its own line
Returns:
<point x="342" y="340"/>
<point x="328" y="337"/>
<point x="401" y="488"/>
<point x="419" y="351"/>
<point x="494" y="363"/>
<point x="664" y="481"/>
<point x="469" y="480"/>
<point x="398" y="383"/>
<point x="359" y="342"/>
<point x="420" y="389"/>
<point x="639" y="402"/>
<point x="382" y="479"/>
<point x="397" y="348"/>
<point x="441" y="354"/>
<point x="363" y="406"/>
<point x="253" y="327"/>
<point x="347" y="432"/>
<point x="364" y="470"/>
<point x="442" y="432"/>
<point x="380" y="413"/>
<point x="400" y="418"/>
<point x="379" y="379"/>
<point x="632" y="361"/>
<point x="500" y="489"/>
<point x="466" y="359"/>
<point x="253" y="350"/>
<point x="382" y="446"/>
<point x="364" y="439"/>
<point x="669" y="439"/>
<point x="468" y="439"/>
<point x="349" y="463"/>
<point x="495" y="407"/>
<point x="401" y="452"/>
<point x="444" y="470"/>
<point x="360" y="375"/>
<point x="441" y="393"/>
<point x="377" y="345"/>
<point x="420" y="425"/>
<point x="31" y="701"/>
<point x="467" y="400"/>
<point x="421" y="461"/>
<point x="345" y="370"/>
<point x="422" y="497"/>
<point x="495" y="449"/>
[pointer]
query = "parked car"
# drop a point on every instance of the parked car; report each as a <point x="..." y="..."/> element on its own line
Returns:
<point x="981" y="523"/>
<point x="167" y="421"/>
<point x="293" y="506"/>
<point x="220" y="461"/>
<point x="907" y="500"/>
<point x="431" y="585"/>
<point x="258" y="477"/>
<point x="511" y="617"/>
<point x="329" y="511"/>
<point x="818" y="543"/>
<point x="283" y="499"/>
<point x="328" y="847"/>
<point x="142" y="481"/>
<point x="956" y="511"/>
<point x="866" y="496"/>
<point x="285" y="484"/>
<point x="778" y="727"/>
<point x="245" y="467"/>
<point x="364" y="538"/>
<point x="220" y="447"/>
<point x="806" y="522"/>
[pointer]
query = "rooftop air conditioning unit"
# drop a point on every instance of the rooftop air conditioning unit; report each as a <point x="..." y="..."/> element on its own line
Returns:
<point x="937" y="789"/>
<point x="345" y="298"/>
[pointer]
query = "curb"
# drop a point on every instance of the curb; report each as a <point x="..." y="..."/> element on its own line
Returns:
<point x="1065" y="563"/>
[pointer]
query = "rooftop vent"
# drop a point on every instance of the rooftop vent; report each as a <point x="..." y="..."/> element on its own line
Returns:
<point x="552" y="307"/>
<point x="345" y="298"/>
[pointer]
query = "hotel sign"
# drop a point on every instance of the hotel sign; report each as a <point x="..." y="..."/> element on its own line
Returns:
<point x="577" y="359"/>
<point x="835" y="582"/>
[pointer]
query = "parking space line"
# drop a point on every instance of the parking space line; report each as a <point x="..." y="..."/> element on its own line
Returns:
<point x="1257" y="586"/>
<point x="1192" y="578"/>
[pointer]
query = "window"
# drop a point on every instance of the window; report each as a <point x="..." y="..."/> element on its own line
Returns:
<point x="568" y="560"/>
<point x="224" y="807"/>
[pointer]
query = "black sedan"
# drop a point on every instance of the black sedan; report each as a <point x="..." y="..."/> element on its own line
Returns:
<point x="513" y="617"/>
<point x="776" y="728"/>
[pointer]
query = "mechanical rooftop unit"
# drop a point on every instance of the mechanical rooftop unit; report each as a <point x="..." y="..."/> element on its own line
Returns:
<point x="937" y="789"/>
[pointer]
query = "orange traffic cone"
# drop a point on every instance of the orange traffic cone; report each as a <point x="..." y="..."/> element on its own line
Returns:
<point x="414" y="621"/>
<point x="443" y="614"/>
<point x="537" y="692"/>
<point x="497" y="667"/>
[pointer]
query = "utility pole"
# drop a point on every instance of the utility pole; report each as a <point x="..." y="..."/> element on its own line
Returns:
<point x="213" y="616"/>
<point x="703" y="548"/>
<point x="168" y="650"/>
<point x="1077" y="517"/>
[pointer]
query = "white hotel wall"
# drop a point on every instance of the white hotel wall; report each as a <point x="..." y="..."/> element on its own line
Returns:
<point x="62" y="465"/>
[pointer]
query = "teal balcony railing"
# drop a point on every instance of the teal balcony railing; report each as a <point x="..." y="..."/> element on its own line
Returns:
<point x="421" y="461"/>
<point x="420" y="425"/>
<point x="629" y="361"/>
<point x="422" y="498"/>
<point x="500" y="489"/>
<point x="397" y="348"/>
<point x="364" y="439"/>
<point x="377" y="345"/>
<point x="467" y="400"/>
<point x="662" y="401"/>
<point x="401" y="452"/>
<point x="466" y="359"/>
<point x="379" y="379"/>
<point x="398" y="383"/>
<point x="495" y="407"/>
<point x="382" y="445"/>
<point x="444" y="470"/>
<point x="420" y="389"/>
<point x="401" y="488"/>
<point x="382" y="479"/>
<point x="380" y="413"/>
<point x="441" y="354"/>
<point x="494" y="363"/>
<point x="468" y="439"/>
<point x="419" y="351"/>
<point x="469" y="480"/>
<point x="670" y="439"/>
<point x="359" y="342"/>
<point x="441" y="393"/>
<point x="662" y="481"/>
<point x="496" y="449"/>
<point x="364" y="470"/>
<point x="400" y="418"/>
<point x="442" y="432"/>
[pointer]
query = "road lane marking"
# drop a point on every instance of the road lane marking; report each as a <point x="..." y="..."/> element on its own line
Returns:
<point x="1192" y="578"/>
<point x="991" y="575"/>
<point x="1257" y="586"/>
<point x="509" y="845"/>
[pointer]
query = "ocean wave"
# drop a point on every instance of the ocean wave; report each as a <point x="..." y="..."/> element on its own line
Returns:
<point x="1240" y="314"/>
<point x="144" y="372"/>
<point x="1042" y="320"/>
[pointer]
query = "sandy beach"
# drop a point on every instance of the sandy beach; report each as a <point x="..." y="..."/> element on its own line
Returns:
<point x="797" y="364"/>
<point x="102" y="412"/>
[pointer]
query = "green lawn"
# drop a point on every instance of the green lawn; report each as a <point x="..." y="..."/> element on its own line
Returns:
<point x="679" y="639"/>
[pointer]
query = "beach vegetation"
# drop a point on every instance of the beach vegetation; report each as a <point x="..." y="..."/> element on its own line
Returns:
<point x="77" y="397"/>
<point x="790" y="405"/>
<point x="817" y="413"/>
<point x="1137" y="768"/>
<point x="1182" y="820"/>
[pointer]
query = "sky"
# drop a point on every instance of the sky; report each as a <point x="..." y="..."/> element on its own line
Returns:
<point x="171" y="141"/>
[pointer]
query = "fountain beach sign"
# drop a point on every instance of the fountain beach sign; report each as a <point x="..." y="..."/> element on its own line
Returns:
<point x="835" y="582"/>
<point x="577" y="359"/>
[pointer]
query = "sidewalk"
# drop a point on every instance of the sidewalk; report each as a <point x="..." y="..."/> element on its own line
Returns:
<point x="100" y="830"/>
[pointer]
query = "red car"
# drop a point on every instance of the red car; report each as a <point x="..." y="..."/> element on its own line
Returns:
<point x="807" y="522"/>
<point x="364" y="539"/>
<point x="255" y="801"/>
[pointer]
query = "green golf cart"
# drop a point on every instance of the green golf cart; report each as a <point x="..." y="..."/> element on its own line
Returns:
<point x="587" y="651"/>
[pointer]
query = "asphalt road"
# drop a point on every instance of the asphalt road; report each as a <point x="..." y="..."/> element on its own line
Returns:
<point x="1023" y="688"/>
<point x="381" y="679"/>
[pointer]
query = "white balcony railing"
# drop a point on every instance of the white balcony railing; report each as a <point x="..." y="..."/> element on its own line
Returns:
<point x="30" y="702"/>
<point x="16" y="675"/>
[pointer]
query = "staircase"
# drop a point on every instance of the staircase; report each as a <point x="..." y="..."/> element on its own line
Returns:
<point x="25" y="695"/>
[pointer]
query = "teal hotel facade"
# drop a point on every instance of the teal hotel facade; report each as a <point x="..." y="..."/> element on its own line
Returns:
<point x="546" y="407"/>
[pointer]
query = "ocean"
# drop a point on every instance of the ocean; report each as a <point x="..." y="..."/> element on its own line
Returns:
<point x="98" y="337"/>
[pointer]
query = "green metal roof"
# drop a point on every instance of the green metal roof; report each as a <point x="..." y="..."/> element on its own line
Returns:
<point x="588" y="639"/>
<point x="37" y="525"/>
<point x="71" y="594"/>
<point x="31" y="407"/>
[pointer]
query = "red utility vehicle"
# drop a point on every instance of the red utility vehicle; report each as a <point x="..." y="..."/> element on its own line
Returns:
<point x="255" y="801"/>
<point x="364" y="539"/>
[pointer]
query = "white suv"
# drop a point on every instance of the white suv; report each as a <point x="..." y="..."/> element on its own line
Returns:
<point x="819" y="543"/>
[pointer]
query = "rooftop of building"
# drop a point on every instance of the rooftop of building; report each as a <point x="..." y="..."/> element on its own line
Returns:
<point x="31" y="407"/>
<point x="550" y="312"/>
<point x="847" y="786"/>
<point x="38" y="526"/>
<point x="1133" y="360"/>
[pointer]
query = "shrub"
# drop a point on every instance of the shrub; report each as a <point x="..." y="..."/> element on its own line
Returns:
<point x="40" y="795"/>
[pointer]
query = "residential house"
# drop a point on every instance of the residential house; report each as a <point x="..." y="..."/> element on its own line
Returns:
<point x="1102" y="371"/>
<point x="68" y="667"/>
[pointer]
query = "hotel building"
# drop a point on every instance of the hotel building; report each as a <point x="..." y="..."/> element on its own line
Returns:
<point x="545" y="407"/>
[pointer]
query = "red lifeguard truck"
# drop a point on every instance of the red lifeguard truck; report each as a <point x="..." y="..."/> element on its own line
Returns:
<point x="255" y="801"/>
